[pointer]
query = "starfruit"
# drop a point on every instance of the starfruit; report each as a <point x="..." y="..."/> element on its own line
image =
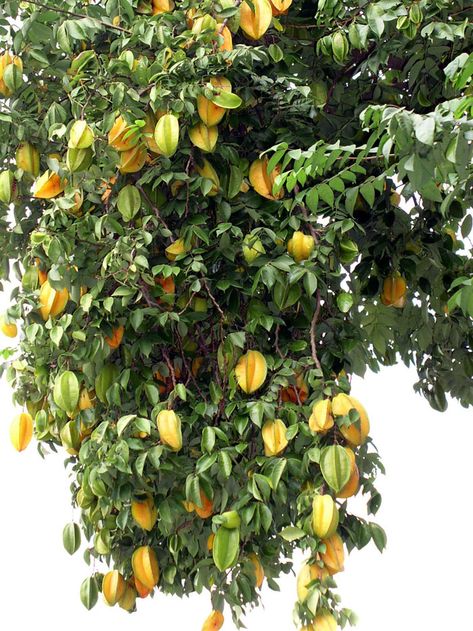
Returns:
<point x="6" y="186"/>
<point x="334" y="555"/>
<point x="394" y="291"/>
<point x="357" y="432"/>
<point x="207" y="171"/>
<point x="81" y="135"/>
<point x="274" y="437"/>
<point x="300" y="246"/>
<point x="116" y="338"/>
<point x="123" y="137"/>
<point x="145" y="566"/>
<point x="251" y="371"/>
<point x="21" y="431"/>
<point x="48" y="185"/>
<point x="252" y="248"/>
<point x="166" y="134"/>
<point x="204" y="137"/>
<point x="210" y="113"/>
<point x="176" y="248"/>
<point x="255" y="20"/>
<point x="321" y="419"/>
<point x="214" y="622"/>
<point x="8" y="328"/>
<point x="52" y="302"/>
<point x="113" y="587"/>
<point x="169" y="427"/>
<point x="144" y="512"/>
<point x="262" y="181"/>
<point x="66" y="391"/>
<point x="28" y="159"/>
<point x="324" y="516"/>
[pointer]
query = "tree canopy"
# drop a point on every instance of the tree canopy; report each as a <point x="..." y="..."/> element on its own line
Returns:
<point x="217" y="212"/>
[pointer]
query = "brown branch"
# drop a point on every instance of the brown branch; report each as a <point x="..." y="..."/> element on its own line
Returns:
<point x="154" y="208"/>
<point x="170" y="367"/>
<point x="225" y="21"/>
<point x="188" y="368"/>
<point x="212" y="297"/>
<point x="313" y="325"/>
<point x="276" y="342"/>
<point x="147" y="296"/>
<point x="81" y="16"/>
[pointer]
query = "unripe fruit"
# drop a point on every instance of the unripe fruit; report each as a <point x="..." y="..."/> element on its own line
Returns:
<point x="6" y="186"/>
<point x="321" y="419"/>
<point x="334" y="555"/>
<point x="166" y="134"/>
<point x="128" y="599"/>
<point x="116" y="338"/>
<point x="145" y="566"/>
<point x="230" y="519"/>
<point x="300" y="246"/>
<point x="255" y="21"/>
<point x="214" y="622"/>
<point x="49" y="185"/>
<point x="52" y="302"/>
<point x="144" y="512"/>
<point x="113" y="587"/>
<point x="27" y="159"/>
<point x="274" y="437"/>
<point x="204" y="23"/>
<point x="204" y="137"/>
<point x="8" y="328"/>
<point x="169" y="427"/>
<point x="21" y="431"/>
<point x="340" y="47"/>
<point x="70" y="438"/>
<point x="307" y="574"/>
<point x="252" y="248"/>
<point x="78" y="159"/>
<point x="81" y="135"/>
<point x="324" y="516"/>
<point x="348" y="251"/>
<point x="262" y="181"/>
<point x="251" y="371"/>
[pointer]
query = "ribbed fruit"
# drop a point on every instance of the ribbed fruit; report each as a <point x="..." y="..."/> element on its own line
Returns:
<point x="207" y="171"/>
<point x="133" y="160"/>
<point x="300" y="246"/>
<point x="324" y="621"/>
<point x="321" y="419"/>
<point x="162" y="6"/>
<point x="204" y="137"/>
<point x="116" y="338"/>
<point x="297" y="393"/>
<point x="86" y="399"/>
<point x="175" y="249"/>
<point x="49" y="185"/>
<point x="334" y="555"/>
<point x="52" y="302"/>
<point x="324" y="516"/>
<point x="145" y="566"/>
<point x="252" y="248"/>
<point x="144" y="512"/>
<point x="227" y="44"/>
<point x="352" y="486"/>
<point x="207" y="508"/>
<point x="8" y="328"/>
<point x="214" y="622"/>
<point x="209" y="113"/>
<point x="128" y="599"/>
<point x="280" y="7"/>
<point x="28" y="159"/>
<point x="251" y="371"/>
<point x="141" y="589"/>
<point x="394" y="291"/>
<point x="21" y="431"/>
<point x="307" y="574"/>
<point x="122" y="137"/>
<point x="169" y="427"/>
<point x="255" y="22"/>
<point x="113" y="587"/>
<point x="262" y="181"/>
<point x="81" y="135"/>
<point x="356" y="433"/>
<point x="166" y="134"/>
<point x="274" y="437"/>
<point x="258" y="569"/>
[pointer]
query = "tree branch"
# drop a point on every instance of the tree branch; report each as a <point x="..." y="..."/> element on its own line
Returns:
<point x="212" y="297"/>
<point x="313" y="326"/>
<point x="81" y="16"/>
<point x="154" y="208"/>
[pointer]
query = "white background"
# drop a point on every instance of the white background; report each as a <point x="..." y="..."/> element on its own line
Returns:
<point x="422" y="581"/>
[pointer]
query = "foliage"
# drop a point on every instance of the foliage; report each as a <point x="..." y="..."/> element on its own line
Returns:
<point x="152" y="259"/>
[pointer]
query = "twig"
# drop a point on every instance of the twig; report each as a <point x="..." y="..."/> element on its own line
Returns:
<point x="154" y="207"/>
<point x="188" y="368"/>
<point x="77" y="15"/>
<point x="313" y="325"/>
<point x="170" y="367"/>
<point x="276" y="342"/>
<point x="147" y="296"/>
<point x="212" y="297"/>
<point x="225" y="21"/>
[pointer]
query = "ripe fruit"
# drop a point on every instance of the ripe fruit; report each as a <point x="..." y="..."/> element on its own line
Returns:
<point x="210" y="173"/>
<point x="176" y="248"/>
<point x="357" y="432"/>
<point x="162" y="6"/>
<point x="122" y="137"/>
<point x="144" y="512"/>
<point x="353" y="484"/>
<point x="27" y="158"/>
<point x="394" y="291"/>
<point x="9" y="81"/>
<point x="145" y="566"/>
<point x="52" y="302"/>
<point x="227" y="44"/>
<point x="258" y="569"/>
<point x="128" y="599"/>
<point x="113" y="587"/>
<point x="307" y="574"/>
<point x="8" y="328"/>
<point x="251" y="371"/>
<point x="21" y="431"/>
<point x="280" y="7"/>
<point x="334" y="555"/>
<point x="255" y="22"/>
<point x="210" y="541"/>
<point x="294" y="394"/>
<point x="274" y="437"/>
<point x="166" y="134"/>
<point x="204" y="137"/>
<point x="262" y="181"/>
<point x="324" y="516"/>
<point x="132" y="160"/>
<point x="324" y="621"/>
<point x="321" y="419"/>
<point x="169" y="427"/>
<point x="210" y="113"/>
<point x="115" y="339"/>
<point x="86" y="399"/>
<point x="300" y="246"/>
<point x="252" y="248"/>
<point x="214" y="622"/>
<point x="142" y="590"/>
<point x="49" y="185"/>
<point x="207" y="508"/>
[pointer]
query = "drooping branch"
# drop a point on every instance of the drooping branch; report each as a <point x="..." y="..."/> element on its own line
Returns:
<point x="313" y="330"/>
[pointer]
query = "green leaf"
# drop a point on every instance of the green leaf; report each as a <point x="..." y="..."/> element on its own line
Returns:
<point x="344" y="301"/>
<point x="227" y="100"/>
<point x="291" y="533"/>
